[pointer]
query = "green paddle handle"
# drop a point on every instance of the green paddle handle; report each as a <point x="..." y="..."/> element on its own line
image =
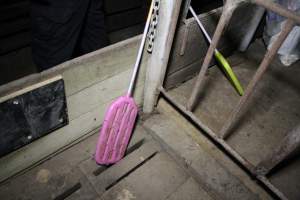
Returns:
<point x="223" y="62"/>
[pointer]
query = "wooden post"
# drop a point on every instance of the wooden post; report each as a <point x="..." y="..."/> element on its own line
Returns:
<point x="157" y="64"/>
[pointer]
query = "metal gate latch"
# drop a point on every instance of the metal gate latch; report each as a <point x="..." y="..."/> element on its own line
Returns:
<point x="153" y="26"/>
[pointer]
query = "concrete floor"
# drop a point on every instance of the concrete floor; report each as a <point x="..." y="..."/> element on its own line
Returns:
<point x="162" y="162"/>
<point x="147" y="172"/>
<point x="272" y="111"/>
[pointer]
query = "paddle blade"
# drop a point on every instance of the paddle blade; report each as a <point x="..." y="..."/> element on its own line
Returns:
<point x="116" y="130"/>
<point x="229" y="72"/>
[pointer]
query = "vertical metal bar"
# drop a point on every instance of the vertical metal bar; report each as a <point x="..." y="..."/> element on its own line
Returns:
<point x="288" y="145"/>
<point x="185" y="11"/>
<point x="275" y="7"/>
<point x="269" y="56"/>
<point x="225" y="18"/>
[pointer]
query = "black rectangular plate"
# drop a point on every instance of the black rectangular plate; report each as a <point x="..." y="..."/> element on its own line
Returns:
<point x="32" y="115"/>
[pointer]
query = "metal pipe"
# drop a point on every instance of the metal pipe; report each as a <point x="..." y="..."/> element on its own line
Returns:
<point x="268" y="4"/>
<point x="269" y="56"/>
<point x="140" y="52"/>
<point x="270" y="186"/>
<point x="225" y="17"/>
<point x="200" y="24"/>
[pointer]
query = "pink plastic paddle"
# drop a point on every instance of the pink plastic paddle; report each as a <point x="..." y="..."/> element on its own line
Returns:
<point x="120" y="117"/>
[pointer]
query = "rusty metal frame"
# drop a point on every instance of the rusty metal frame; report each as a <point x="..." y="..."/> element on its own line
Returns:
<point x="268" y="58"/>
<point x="270" y="162"/>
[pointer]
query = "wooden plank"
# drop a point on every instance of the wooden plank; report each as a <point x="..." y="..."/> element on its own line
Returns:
<point x="108" y="177"/>
<point x="85" y="192"/>
<point x="190" y="190"/>
<point x="55" y="178"/>
<point x="91" y="82"/>
<point x="157" y="178"/>
<point x="86" y="70"/>
<point x="29" y="88"/>
<point x="89" y="167"/>
<point x="103" y="92"/>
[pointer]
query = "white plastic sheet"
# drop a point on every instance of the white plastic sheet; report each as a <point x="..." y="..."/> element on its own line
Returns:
<point x="290" y="49"/>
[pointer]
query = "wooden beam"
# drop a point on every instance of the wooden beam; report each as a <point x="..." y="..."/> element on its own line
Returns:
<point x="157" y="65"/>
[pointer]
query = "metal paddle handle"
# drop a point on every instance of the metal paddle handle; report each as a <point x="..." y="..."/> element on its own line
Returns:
<point x="140" y="52"/>
<point x="200" y="24"/>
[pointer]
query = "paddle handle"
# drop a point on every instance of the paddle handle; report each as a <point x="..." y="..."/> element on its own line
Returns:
<point x="200" y="24"/>
<point x="223" y="62"/>
<point x="140" y="52"/>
